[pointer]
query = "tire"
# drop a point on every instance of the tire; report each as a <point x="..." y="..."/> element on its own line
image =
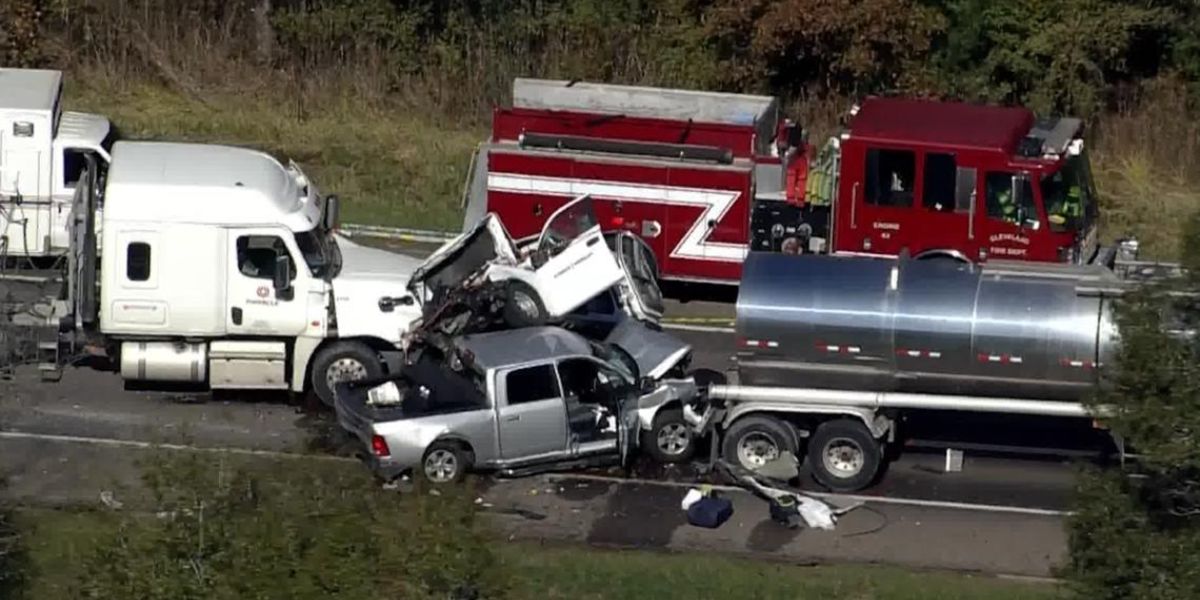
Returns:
<point x="843" y="455"/>
<point x="523" y="306"/>
<point x="754" y="441"/>
<point x="444" y="463"/>
<point x="670" y="439"/>
<point x="354" y="359"/>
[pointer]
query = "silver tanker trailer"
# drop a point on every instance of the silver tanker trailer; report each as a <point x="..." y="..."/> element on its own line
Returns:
<point x="832" y="350"/>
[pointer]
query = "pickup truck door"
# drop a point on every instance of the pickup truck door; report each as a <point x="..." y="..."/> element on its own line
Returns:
<point x="531" y="417"/>
<point x="579" y="264"/>
<point x="641" y="277"/>
<point x="253" y="306"/>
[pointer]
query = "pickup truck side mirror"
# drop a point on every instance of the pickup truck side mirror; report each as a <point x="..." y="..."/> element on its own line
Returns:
<point x="283" y="277"/>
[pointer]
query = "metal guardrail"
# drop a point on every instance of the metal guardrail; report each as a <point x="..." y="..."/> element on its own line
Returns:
<point x="398" y="233"/>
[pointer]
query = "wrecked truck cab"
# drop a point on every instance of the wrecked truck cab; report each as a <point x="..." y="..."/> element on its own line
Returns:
<point x="515" y="401"/>
<point x="570" y="265"/>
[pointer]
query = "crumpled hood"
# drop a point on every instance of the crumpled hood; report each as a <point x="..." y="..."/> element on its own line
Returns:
<point x="367" y="275"/>
<point x="456" y="260"/>
<point x="654" y="351"/>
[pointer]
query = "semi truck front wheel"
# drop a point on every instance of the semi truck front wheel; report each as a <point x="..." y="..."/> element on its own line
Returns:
<point x="343" y="361"/>
<point x="843" y="456"/>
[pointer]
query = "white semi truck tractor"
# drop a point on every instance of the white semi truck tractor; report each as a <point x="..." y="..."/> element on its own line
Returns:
<point x="221" y="266"/>
<point x="43" y="151"/>
<point x="832" y="352"/>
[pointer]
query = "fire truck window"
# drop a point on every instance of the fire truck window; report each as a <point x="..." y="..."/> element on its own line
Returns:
<point x="256" y="255"/>
<point x="890" y="176"/>
<point x="1010" y="199"/>
<point x="941" y="176"/>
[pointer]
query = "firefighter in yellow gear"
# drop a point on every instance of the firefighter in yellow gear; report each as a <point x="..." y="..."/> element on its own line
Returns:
<point x="1066" y="207"/>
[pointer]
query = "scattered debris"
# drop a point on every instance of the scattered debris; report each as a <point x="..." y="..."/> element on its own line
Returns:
<point x="107" y="499"/>
<point x="954" y="460"/>
<point x="710" y="511"/>
<point x="787" y="506"/>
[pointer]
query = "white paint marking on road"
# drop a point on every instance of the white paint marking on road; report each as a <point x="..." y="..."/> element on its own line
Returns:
<point x="1020" y="510"/>
<point x="700" y="328"/>
<point x="74" y="439"/>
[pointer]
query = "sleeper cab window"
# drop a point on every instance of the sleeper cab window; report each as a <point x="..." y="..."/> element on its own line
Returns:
<point x="137" y="261"/>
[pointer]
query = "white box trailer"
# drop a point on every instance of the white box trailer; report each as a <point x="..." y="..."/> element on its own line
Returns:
<point x="42" y="155"/>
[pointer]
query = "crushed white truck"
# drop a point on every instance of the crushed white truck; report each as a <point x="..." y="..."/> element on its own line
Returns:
<point x="221" y="267"/>
<point x="42" y="155"/>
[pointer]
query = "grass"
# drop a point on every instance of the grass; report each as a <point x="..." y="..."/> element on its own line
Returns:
<point x="389" y="166"/>
<point x="581" y="573"/>
<point x="60" y="539"/>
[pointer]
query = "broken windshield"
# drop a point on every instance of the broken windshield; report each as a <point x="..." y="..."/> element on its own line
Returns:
<point x="618" y="359"/>
<point x="320" y="251"/>
<point x="570" y="222"/>
<point x="1068" y="194"/>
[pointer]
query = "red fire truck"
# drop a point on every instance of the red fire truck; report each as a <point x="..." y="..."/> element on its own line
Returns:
<point x="706" y="177"/>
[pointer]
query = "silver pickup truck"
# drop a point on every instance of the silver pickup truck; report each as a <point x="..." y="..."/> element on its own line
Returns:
<point x="525" y="400"/>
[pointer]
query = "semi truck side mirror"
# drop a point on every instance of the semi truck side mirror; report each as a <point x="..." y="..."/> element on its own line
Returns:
<point x="330" y="215"/>
<point x="283" y="277"/>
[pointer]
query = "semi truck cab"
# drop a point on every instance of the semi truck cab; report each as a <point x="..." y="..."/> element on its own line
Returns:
<point x="222" y="266"/>
<point x="42" y="155"/>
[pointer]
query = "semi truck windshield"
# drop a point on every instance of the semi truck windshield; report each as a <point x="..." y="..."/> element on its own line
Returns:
<point x="320" y="252"/>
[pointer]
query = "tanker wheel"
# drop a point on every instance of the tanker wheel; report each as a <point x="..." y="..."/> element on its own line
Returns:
<point x="844" y="456"/>
<point x="755" y="441"/>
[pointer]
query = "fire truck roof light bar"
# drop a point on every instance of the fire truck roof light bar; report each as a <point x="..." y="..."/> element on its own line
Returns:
<point x="880" y="400"/>
<point x="714" y="154"/>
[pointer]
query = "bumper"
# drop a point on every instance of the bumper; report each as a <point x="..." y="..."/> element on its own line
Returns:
<point x="359" y="427"/>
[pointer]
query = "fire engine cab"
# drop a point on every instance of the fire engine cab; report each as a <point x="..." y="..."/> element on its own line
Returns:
<point x="706" y="177"/>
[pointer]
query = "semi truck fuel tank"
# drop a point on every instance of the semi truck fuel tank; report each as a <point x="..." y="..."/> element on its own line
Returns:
<point x="923" y="326"/>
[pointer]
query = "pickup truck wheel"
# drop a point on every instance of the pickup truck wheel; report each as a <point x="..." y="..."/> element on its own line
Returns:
<point x="843" y="455"/>
<point x="755" y="441"/>
<point x="523" y="306"/>
<point x="343" y="361"/>
<point x="670" y="439"/>
<point x="445" y="463"/>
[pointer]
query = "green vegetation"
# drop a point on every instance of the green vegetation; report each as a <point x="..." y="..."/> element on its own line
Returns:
<point x="223" y="527"/>
<point x="13" y="557"/>
<point x="390" y="167"/>
<point x="585" y="574"/>
<point x="1137" y="537"/>
<point x="384" y="100"/>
